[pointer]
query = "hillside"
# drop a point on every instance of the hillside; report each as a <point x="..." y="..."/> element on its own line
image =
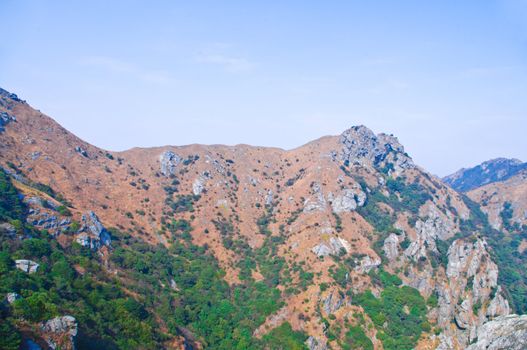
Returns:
<point x="343" y="243"/>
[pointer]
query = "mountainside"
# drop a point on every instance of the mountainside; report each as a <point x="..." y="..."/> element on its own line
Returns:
<point x="494" y="170"/>
<point x="343" y="243"/>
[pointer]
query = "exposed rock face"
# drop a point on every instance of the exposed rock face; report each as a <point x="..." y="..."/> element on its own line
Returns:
<point x="362" y="147"/>
<point x="93" y="233"/>
<point x="348" y="200"/>
<point x="28" y="266"/>
<point x="435" y="227"/>
<point x="317" y="202"/>
<point x="503" y="333"/>
<point x="197" y="186"/>
<point x="499" y="305"/>
<point x="169" y="161"/>
<point x="316" y="344"/>
<point x="335" y="246"/>
<point x="60" y="332"/>
<point x="469" y="263"/>
<point x="367" y="263"/>
<point x="333" y="301"/>
<point x="391" y="247"/>
<point x="5" y="118"/>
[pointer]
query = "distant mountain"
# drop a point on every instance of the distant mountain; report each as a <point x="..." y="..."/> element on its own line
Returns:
<point x="499" y="169"/>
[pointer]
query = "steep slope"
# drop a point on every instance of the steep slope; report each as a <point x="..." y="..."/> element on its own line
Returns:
<point x="505" y="202"/>
<point x="342" y="243"/>
<point x="494" y="170"/>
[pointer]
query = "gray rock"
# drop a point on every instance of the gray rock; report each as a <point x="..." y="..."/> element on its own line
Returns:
<point x="332" y="302"/>
<point x="362" y="147"/>
<point x="391" y="247"/>
<point x="317" y="202"/>
<point x="92" y="233"/>
<point x="502" y="333"/>
<point x="348" y="200"/>
<point x="498" y="305"/>
<point x="367" y="263"/>
<point x="12" y="297"/>
<point x="62" y="325"/>
<point x="335" y="246"/>
<point x="28" y="266"/>
<point x="316" y="344"/>
<point x="169" y="161"/>
<point x="81" y="151"/>
<point x="5" y="118"/>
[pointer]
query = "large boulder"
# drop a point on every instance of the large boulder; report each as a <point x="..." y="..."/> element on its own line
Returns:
<point x="28" y="266"/>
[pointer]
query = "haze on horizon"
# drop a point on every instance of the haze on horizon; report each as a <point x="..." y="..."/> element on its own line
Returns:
<point x="448" y="78"/>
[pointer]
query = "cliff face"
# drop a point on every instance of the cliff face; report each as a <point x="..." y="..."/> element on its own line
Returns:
<point x="336" y="217"/>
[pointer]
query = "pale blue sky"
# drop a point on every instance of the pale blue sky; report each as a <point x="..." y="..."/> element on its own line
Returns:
<point x="449" y="78"/>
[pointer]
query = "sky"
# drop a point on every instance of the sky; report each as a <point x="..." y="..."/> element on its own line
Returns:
<point x="448" y="77"/>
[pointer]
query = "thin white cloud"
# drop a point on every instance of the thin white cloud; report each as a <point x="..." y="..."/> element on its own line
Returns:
<point x="229" y="63"/>
<point x="118" y="66"/>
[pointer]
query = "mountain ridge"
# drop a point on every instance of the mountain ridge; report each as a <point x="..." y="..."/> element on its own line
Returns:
<point x="318" y="240"/>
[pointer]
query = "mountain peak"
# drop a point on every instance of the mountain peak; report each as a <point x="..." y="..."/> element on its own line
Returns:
<point x="494" y="170"/>
<point x="362" y="147"/>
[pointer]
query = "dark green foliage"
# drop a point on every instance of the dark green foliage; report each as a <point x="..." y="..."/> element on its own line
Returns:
<point x="399" y="315"/>
<point x="356" y="339"/>
<point x="284" y="338"/>
<point x="182" y="203"/>
<point x="11" y="206"/>
<point x="10" y="338"/>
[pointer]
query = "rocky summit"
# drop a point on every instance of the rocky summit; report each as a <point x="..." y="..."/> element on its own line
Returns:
<point x="342" y="243"/>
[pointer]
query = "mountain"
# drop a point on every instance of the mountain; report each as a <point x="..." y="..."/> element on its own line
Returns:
<point x="343" y="243"/>
<point x="495" y="170"/>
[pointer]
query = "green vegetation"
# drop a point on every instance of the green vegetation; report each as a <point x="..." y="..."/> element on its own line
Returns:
<point x="356" y="339"/>
<point x="180" y="288"/>
<point x="284" y="338"/>
<point x="399" y="314"/>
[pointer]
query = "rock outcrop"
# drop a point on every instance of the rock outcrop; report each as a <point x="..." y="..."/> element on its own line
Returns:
<point x="316" y="344"/>
<point x="60" y="332"/>
<point x="503" y="333"/>
<point x="360" y="146"/>
<point x="93" y="234"/>
<point x="5" y="118"/>
<point x="28" y="266"/>
<point x="348" y="200"/>
<point x="335" y="246"/>
<point x="169" y="161"/>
